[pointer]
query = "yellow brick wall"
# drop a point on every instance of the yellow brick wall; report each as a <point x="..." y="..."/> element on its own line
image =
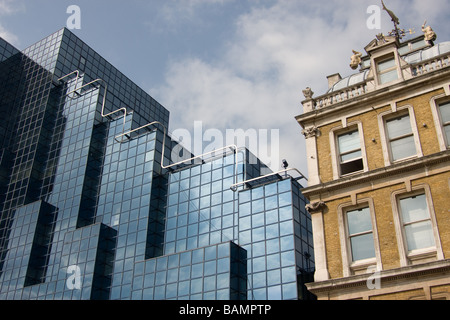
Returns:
<point x="422" y="111"/>
<point x="324" y="153"/>
<point x="404" y="295"/>
<point x="427" y="135"/>
<point x="435" y="291"/>
<point x="439" y="185"/>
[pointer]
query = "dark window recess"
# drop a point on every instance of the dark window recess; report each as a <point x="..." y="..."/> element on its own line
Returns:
<point x="352" y="166"/>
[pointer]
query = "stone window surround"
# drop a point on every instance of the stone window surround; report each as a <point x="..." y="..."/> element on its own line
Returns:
<point x="357" y="267"/>
<point x="334" y="132"/>
<point x="434" y="103"/>
<point x="394" y="112"/>
<point x="408" y="258"/>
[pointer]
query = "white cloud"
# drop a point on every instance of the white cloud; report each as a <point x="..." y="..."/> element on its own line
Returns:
<point x="7" y="8"/>
<point x="8" y="36"/>
<point x="275" y="53"/>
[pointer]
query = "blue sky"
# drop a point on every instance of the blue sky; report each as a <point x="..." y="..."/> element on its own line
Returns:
<point x="232" y="64"/>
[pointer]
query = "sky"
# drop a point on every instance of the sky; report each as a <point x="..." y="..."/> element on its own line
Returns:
<point x="226" y="64"/>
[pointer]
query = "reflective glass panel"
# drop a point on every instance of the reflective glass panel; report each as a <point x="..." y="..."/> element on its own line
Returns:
<point x="362" y="247"/>
<point x="359" y="221"/>
<point x="414" y="209"/>
<point x="419" y="235"/>
<point x="403" y="148"/>
<point x="398" y="127"/>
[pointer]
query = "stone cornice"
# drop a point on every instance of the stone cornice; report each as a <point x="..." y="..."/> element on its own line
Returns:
<point x="386" y="94"/>
<point x="380" y="173"/>
<point x="404" y="273"/>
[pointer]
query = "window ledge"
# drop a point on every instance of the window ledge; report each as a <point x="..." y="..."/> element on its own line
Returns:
<point x="362" y="266"/>
<point x="399" y="161"/>
<point x="352" y="173"/>
<point x="370" y="176"/>
<point x="422" y="255"/>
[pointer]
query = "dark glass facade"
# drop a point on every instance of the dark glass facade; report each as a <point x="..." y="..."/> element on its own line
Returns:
<point x="92" y="207"/>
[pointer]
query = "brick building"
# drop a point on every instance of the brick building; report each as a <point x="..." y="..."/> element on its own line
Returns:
<point x="378" y="148"/>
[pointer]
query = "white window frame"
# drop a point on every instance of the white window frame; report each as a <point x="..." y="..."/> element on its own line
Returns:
<point x="349" y="266"/>
<point x="419" y="255"/>
<point x="385" y="143"/>
<point x="435" y="105"/>
<point x="387" y="57"/>
<point x="334" y="146"/>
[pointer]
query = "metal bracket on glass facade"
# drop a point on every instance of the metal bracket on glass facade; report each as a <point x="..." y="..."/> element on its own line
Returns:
<point x="232" y="147"/>
<point x="124" y="110"/>
<point x="235" y="186"/>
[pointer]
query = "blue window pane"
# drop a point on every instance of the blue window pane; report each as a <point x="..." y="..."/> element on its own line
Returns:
<point x="209" y="283"/>
<point x="223" y="250"/>
<point x="185" y="273"/>
<point x="223" y="265"/>
<point x="171" y="291"/>
<point x="259" y="264"/>
<point x="273" y="246"/>
<point x="290" y="291"/>
<point x="272" y="216"/>
<point x="271" y="189"/>
<point x="273" y="277"/>
<point x="185" y="258"/>
<point x="272" y="231"/>
<point x="271" y="202"/>
<point x="274" y="293"/>
<point x="287" y="258"/>
<point x="258" y="249"/>
<point x="172" y="275"/>
<point x="285" y="199"/>
<point x="258" y="234"/>
<point x="196" y="286"/>
<point x="258" y="205"/>
<point x="197" y="270"/>
<point x="258" y="294"/>
<point x="210" y="268"/>
<point x="273" y="261"/>
<point x="288" y="274"/>
<point x="286" y="228"/>
<point x="223" y="281"/>
<point x="259" y="280"/>
<point x="183" y="288"/>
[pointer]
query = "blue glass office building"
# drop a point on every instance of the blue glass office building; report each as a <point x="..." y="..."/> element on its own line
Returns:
<point x="93" y="207"/>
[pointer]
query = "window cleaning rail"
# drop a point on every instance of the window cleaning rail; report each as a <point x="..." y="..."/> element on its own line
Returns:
<point x="120" y="138"/>
<point x="235" y="186"/>
<point x="127" y="135"/>
<point x="123" y="109"/>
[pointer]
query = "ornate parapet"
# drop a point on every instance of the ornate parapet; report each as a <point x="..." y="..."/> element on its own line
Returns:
<point x="309" y="104"/>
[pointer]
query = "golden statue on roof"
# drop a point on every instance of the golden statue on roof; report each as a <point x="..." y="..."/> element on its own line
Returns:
<point x="430" y="35"/>
<point x="355" y="59"/>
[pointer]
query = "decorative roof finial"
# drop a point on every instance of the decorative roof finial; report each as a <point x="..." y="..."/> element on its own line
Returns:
<point x="396" y="32"/>
<point x="394" y="18"/>
<point x="308" y="93"/>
